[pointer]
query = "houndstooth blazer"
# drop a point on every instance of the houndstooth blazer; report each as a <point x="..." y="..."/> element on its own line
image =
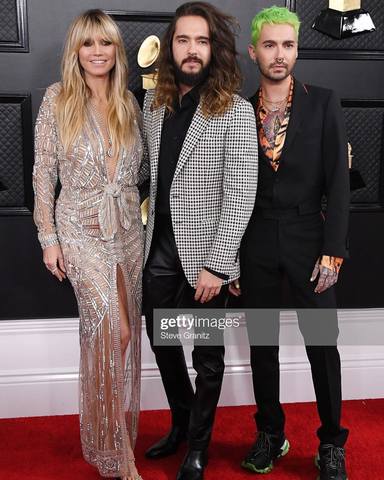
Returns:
<point x="213" y="189"/>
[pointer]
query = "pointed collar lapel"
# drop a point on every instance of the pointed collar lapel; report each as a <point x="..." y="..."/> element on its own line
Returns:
<point x="157" y="125"/>
<point x="299" y="111"/>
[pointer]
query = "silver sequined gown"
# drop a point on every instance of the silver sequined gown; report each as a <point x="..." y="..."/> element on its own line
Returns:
<point x="98" y="225"/>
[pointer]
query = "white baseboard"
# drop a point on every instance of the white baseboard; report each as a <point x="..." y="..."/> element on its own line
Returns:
<point x="39" y="373"/>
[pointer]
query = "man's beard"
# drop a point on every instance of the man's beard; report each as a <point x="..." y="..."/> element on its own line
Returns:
<point x="190" y="79"/>
<point x="278" y="77"/>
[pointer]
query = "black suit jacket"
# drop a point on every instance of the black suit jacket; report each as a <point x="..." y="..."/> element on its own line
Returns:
<point x="313" y="164"/>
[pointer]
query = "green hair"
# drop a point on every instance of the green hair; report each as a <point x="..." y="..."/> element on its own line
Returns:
<point x="273" y="16"/>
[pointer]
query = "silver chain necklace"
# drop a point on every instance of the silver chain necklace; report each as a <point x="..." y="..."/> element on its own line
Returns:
<point x="276" y="106"/>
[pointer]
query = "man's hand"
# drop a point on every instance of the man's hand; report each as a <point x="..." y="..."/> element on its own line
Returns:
<point x="207" y="286"/>
<point x="328" y="276"/>
<point x="234" y="288"/>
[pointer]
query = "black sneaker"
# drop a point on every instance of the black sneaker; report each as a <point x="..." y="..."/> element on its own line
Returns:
<point x="331" y="462"/>
<point x="267" y="448"/>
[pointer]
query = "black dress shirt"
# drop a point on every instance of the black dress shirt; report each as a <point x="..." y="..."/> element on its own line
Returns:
<point x="175" y="128"/>
<point x="174" y="131"/>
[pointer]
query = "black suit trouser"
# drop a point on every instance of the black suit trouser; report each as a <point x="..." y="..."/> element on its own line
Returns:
<point x="278" y="243"/>
<point x="165" y="286"/>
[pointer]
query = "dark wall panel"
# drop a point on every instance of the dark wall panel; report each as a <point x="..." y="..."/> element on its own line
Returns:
<point x="8" y="21"/>
<point x="361" y="278"/>
<point x="28" y="290"/>
<point x="13" y="26"/>
<point x="16" y="154"/>
<point x="365" y="128"/>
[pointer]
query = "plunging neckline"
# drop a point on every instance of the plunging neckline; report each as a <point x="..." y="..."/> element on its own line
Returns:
<point x="101" y="140"/>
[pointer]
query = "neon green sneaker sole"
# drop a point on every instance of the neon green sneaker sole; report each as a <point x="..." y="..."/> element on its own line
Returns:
<point x="252" y="468"/>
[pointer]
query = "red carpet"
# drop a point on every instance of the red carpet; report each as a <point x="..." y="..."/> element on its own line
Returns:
<point x="47" y="448"/>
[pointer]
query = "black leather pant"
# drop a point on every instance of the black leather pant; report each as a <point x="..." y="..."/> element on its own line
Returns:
<point x="275" y="245"/>
<point x="165" y="286"/>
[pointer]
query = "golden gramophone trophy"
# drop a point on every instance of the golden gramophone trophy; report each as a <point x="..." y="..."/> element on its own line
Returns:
<point x="343" y="19"/>
<point x="355" y="179"/>
<point x="147" y="56"/>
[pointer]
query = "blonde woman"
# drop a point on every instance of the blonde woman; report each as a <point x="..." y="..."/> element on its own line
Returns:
<point x="88" y="135"/>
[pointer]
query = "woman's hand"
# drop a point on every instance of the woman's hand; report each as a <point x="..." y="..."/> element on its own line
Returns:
<point x="53" y="260"/>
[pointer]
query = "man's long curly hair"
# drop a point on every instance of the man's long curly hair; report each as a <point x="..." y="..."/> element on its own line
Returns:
<point x="224" y="77"/>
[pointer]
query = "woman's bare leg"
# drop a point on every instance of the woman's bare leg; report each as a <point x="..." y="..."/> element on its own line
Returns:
<point x="125" y="332"/>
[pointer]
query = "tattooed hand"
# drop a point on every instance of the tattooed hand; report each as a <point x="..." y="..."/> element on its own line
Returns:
<point x="327" y="268"/>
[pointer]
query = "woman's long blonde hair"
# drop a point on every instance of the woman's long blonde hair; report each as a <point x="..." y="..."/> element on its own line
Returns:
<point x="72" y="100"/>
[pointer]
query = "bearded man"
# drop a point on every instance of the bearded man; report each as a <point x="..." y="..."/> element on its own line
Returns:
<point x="202" y="144"/>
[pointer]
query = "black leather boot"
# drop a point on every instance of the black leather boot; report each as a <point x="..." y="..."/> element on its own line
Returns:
<point x="193" y="465"/>
<point x="169" y="444"/>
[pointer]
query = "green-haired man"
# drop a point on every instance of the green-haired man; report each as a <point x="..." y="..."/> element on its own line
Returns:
<point x="302" y="157"/>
